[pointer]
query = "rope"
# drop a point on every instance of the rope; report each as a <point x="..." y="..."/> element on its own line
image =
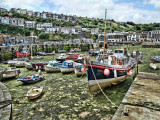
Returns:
<point x="101" y="89"/>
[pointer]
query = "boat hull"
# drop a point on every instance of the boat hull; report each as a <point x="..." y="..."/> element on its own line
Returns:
<point x="10" y="74"/>
<point x="154" y="66"/>
<point x="96" y="74"/>
<point x="51" y="69"/>
<point x="78" y="72"/>
<point x="60" y="60"/>
<point x="18" y="54"/>
<point x="38" y="66"/>
<point x="94" y="88"/>
<point x="66" y="70"/>
<point x="34" y="93"/>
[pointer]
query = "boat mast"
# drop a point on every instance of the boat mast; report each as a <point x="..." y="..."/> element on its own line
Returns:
<point x="31" y="45"/>
<point x="104" y="35"/>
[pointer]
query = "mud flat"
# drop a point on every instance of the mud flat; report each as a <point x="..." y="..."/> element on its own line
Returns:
<point x="5" y="108"/>
<point x="142" y="100"/>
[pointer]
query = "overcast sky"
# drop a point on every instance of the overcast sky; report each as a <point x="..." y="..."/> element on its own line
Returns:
<point x="138" y="11"/>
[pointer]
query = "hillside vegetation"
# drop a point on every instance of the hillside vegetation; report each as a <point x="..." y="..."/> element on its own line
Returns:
<point x="83" y="22"/>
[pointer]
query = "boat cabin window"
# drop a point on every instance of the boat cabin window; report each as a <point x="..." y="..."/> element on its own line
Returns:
<point x="70" y="64"/>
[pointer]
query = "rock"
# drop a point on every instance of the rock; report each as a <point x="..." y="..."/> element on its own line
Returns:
<point x="95" y="110"/>
<point x="62" y="106"/>
<point x="41" y="109"/>
<point x="84" y="114"/>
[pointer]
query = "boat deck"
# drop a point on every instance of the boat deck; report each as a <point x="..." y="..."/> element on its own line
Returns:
<point x="5" y="110"/>
<point x="142" y="100"/>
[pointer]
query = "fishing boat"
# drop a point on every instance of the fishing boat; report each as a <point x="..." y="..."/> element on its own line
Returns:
<point x="53" y="66"/>
<point x="114" y="70"/>
<point x="75" y="50"/>
<point x="36" y="57"/>
<point x="20" y="64"/>
<point x="109" y="69"/>
<point x="93" y="52"/>
<point x="41" y="53"/>
<point x="5" y="62"/>
<point x="34" y="92"/>
<point x="12" y="63"/>
<point x="61" y="58"/>
<point x="32" y="78"/>
<point x="11" y="73"/>
<point x="73" y="57"/>
<point x="25" y="52"/>
<point x="52" y="53"/>
<point x="38" y="65"/>
<point x="155" y="58"/>
<point x="61" y="51"/>
<point x="67" y="66"/>
<point x="154" y="66"/>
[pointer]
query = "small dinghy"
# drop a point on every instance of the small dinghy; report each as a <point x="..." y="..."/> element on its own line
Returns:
<point x="41" y="53"/>
<point x="52" y="53"/>
<point x="11" y="73"/>
<point x="32" y="78"/>
<point x="34" y="92"/>
<point x="61" y="58"/>
<point x="154" y="66"/>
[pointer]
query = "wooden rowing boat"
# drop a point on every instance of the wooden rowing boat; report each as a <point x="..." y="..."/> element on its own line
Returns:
<point x="34" y="92"/>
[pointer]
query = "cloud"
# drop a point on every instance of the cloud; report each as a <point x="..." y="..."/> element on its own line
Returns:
<point x="25" y="4"/>
<point x="119" y="10"/>
<point x="155" y="3"/>
<point x="95" y="8"/>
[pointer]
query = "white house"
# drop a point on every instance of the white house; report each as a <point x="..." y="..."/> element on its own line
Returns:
<point x="51" y="30"/>
<point x="44" y="15"/>
<point x="5" y="20"/>
<point x="133" y="37"/>
<point x="154" y="35"/>
<point x="3" y="10"/>
<point x="78" y="28"/>
<point x="65" y="30"/>
<point x="43" y="26"/>
<point x="24" y="11"/>
<point x="30" y="13"/>
<point x="19" y="10"/>
<point x="73" y="31"/>
<point x="95" y="31"/>
<point x="116" y="37"/>
<point x="30" y="24"/>
<point x="17" y="21"/>
<point x="36" y="14"/>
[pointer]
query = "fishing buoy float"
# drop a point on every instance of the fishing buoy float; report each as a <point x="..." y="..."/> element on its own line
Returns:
<point x="83" y="70"/>
<point x="106" y="72"/>
<point x="130" y="73"/>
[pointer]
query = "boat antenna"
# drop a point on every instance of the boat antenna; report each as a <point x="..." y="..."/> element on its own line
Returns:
<point x="104" y="35"/>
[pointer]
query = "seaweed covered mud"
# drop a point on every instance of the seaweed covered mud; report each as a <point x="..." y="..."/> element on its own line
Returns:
<point x="67" y="97"/>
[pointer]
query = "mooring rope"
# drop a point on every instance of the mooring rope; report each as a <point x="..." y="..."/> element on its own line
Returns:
<point x="101" y="88"/>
